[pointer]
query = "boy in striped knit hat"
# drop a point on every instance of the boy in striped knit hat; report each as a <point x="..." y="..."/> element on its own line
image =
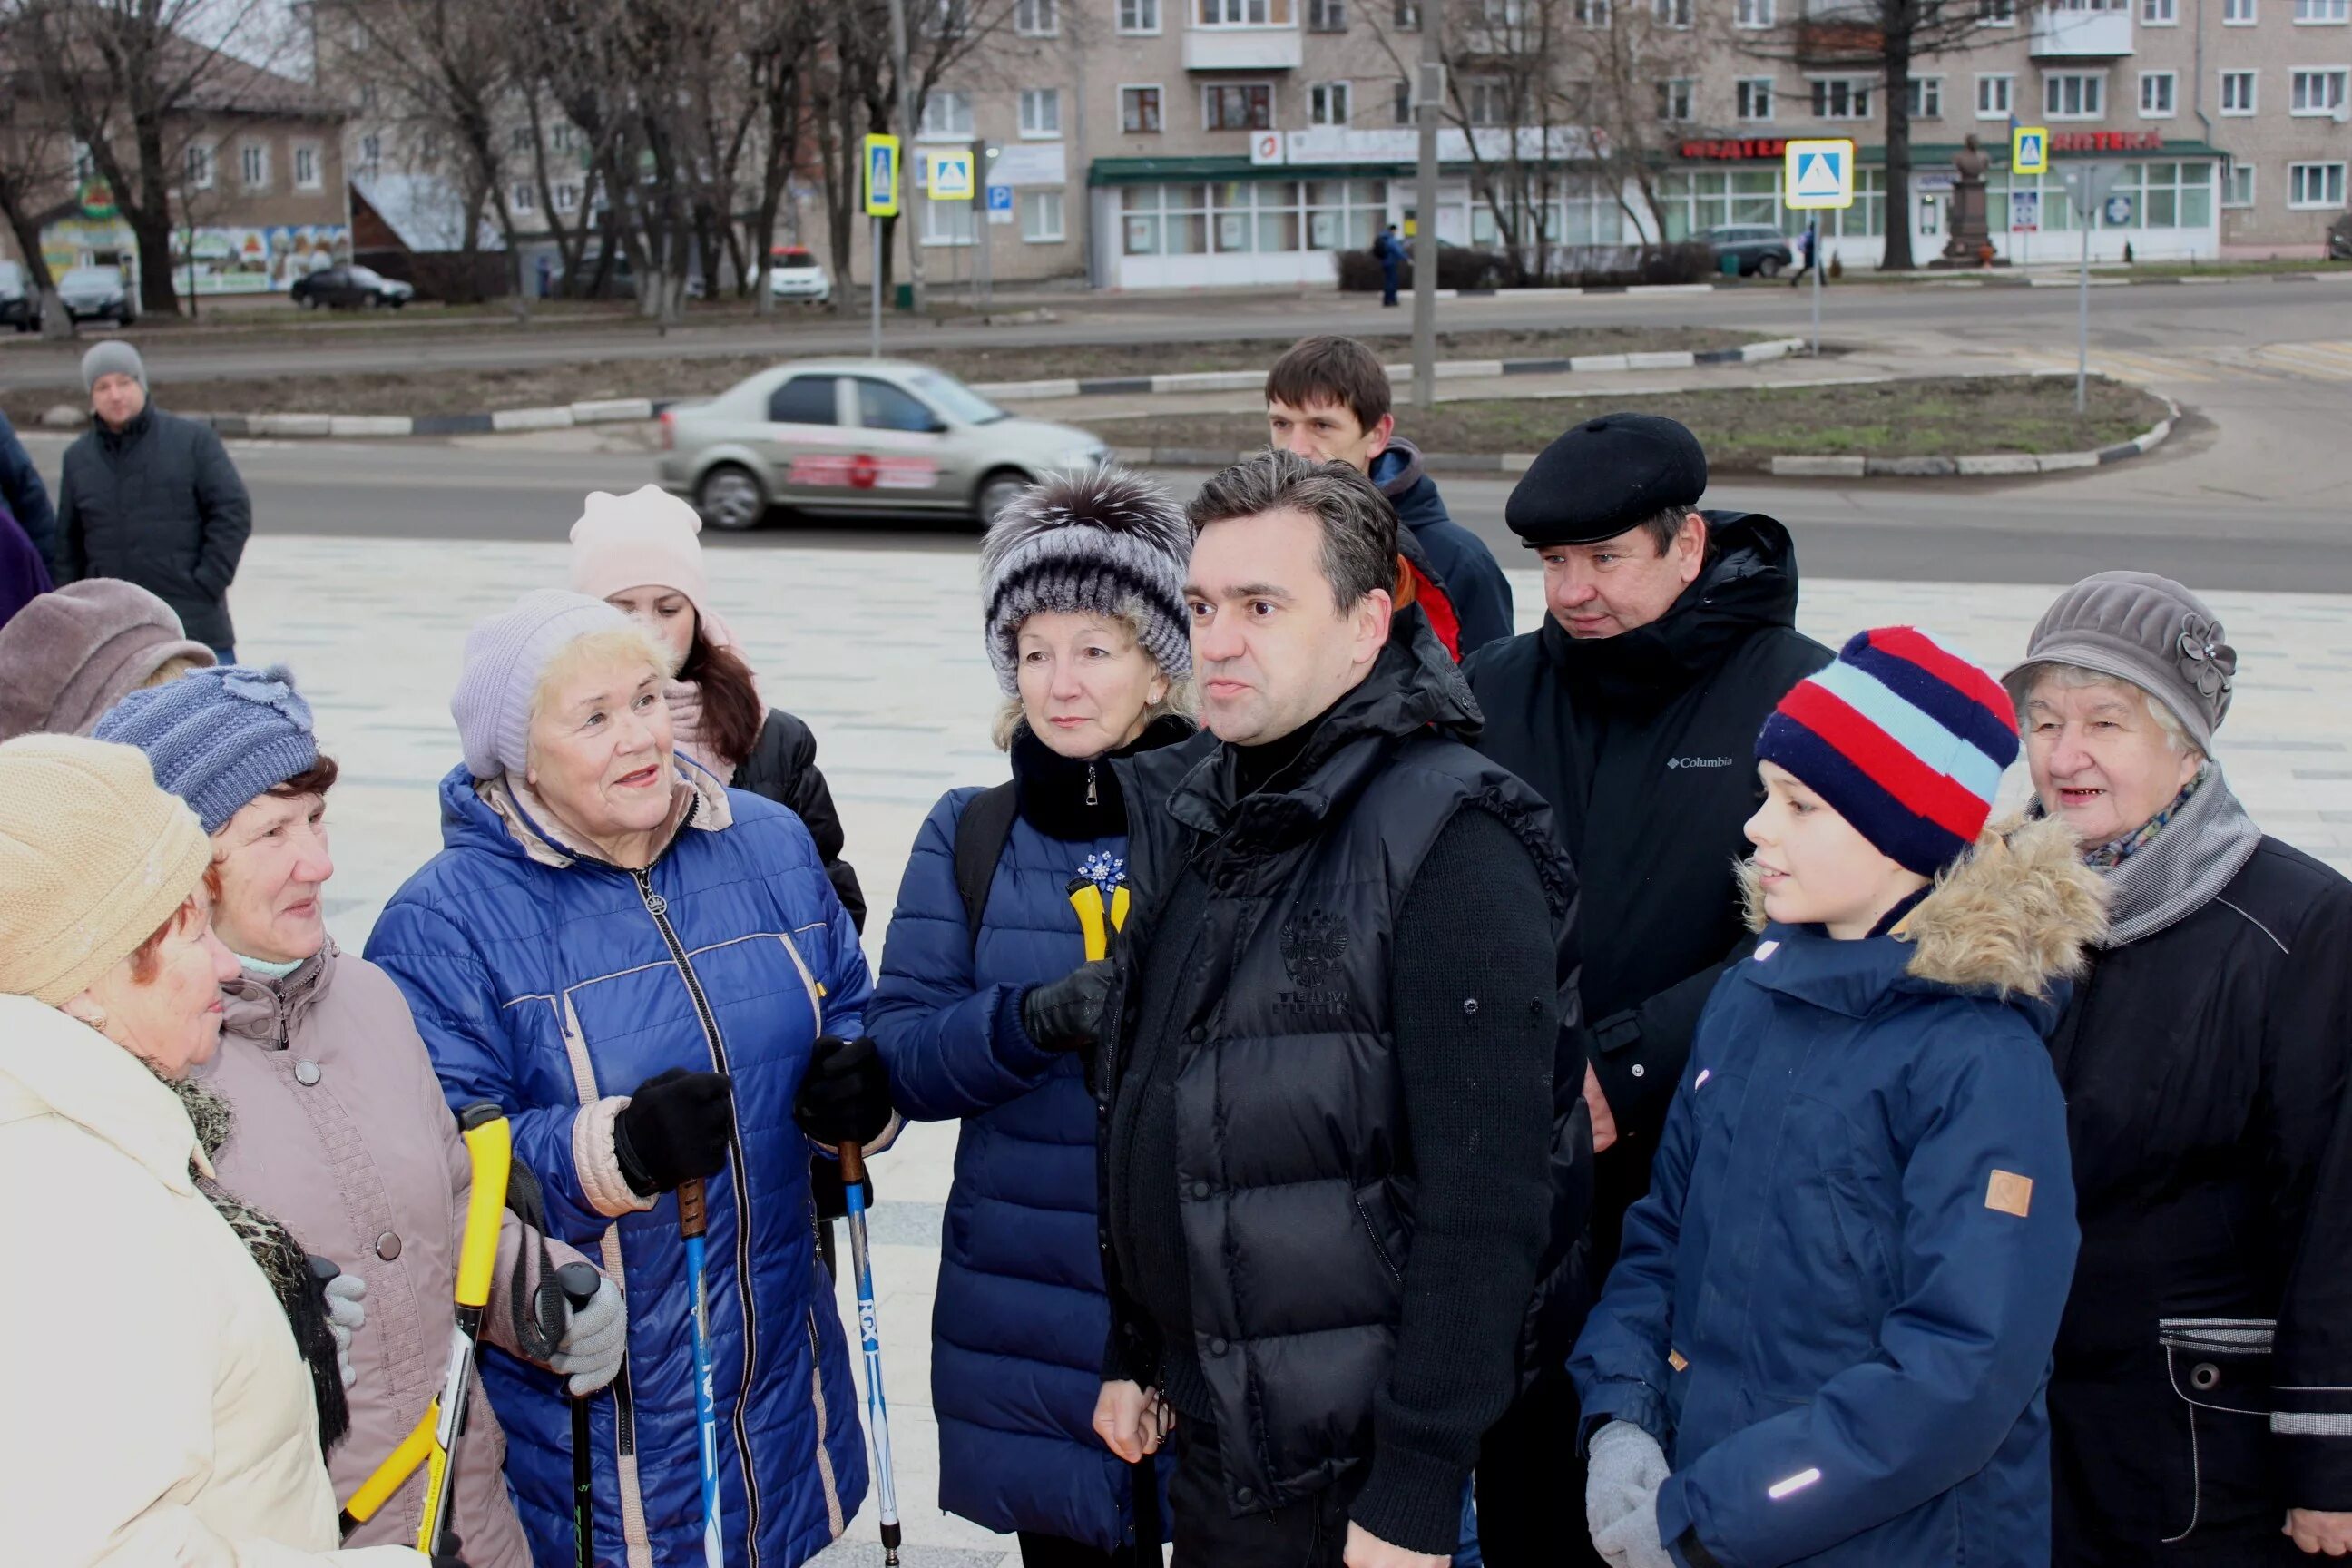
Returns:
<point x="1827" y="1337"/>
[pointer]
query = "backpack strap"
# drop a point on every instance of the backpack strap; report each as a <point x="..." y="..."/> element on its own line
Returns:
<point x="980" y="837"/>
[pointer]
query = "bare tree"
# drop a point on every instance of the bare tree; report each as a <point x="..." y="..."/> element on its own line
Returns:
<point x="36" y="162"/>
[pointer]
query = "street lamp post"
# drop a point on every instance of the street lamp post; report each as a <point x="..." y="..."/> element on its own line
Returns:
<point x="908" y="109"/>
<point x="1431" y="91"/>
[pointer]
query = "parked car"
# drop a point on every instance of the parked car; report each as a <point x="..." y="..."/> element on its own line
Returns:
<point x="1763" y="251"/>
<point x="795" y="273"/>
<point x="96" y="294"/>
<point x="20" y="306"/>
<point x="350" y="288"/>
<point x="858" y="435"/>
<point x="2339" y="239"/>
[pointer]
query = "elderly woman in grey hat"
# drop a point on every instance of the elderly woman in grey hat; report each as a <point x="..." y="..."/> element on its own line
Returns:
<point x="2201" y="1397"/>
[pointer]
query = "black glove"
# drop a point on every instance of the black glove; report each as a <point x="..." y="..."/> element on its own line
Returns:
<point x="1066" y="1015"/>
<point x="674" y="1130"/>
<point x="845" y="1094"/>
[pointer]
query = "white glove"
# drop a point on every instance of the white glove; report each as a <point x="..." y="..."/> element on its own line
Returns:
<point x="594" y="1342"/>
<point x="1623" y="1470"/>
<point x="345" y="1317"/>
<point x="1633" y="1542"/>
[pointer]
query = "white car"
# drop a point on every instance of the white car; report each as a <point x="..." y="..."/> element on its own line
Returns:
<point x="795" y="273"/>
<point x="855" y="435"/>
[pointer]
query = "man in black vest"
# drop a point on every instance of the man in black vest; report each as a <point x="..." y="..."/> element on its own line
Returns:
<point x="1329" y="1115"/>
<point x="1634" y="708"/>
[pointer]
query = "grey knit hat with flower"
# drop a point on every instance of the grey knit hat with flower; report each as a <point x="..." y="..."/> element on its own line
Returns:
<point x="1105" y="542"/>
<point x="2148" y="630"/>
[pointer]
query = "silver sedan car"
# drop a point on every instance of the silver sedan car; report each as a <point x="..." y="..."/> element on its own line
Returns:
<point x="858" y="435"/>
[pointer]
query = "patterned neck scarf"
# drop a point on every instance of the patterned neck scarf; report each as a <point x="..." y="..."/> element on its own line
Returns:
<point x="2115" y="851"/>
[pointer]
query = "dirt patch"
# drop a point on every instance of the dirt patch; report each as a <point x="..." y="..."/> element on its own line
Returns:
<point x="1743" y="430"/>
<point x="537" y="386"/>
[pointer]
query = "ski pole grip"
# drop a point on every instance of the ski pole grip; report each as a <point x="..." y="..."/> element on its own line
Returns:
<point x="853" y="1165"/>
<point x="489" y="1147"/>
<point x="579" y="1282"/>
<point x="692" y="1217"/>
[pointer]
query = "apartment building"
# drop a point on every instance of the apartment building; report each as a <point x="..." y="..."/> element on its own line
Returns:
<point x="1157" y="144"/>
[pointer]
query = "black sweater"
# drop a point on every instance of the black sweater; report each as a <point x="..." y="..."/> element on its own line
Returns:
<point x="1463" y="1073"/>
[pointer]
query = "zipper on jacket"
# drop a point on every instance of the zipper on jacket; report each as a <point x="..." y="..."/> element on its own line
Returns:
<point x="658" y="907"/>
<point x="1092" y="798"/>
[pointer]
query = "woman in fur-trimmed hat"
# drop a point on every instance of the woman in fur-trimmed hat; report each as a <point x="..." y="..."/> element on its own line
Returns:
<point x="985" y="992"/>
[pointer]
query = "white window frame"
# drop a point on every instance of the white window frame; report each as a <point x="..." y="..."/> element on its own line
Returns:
<point x="253" y="168"/>
<point x="2159" y="13"/>
<point x="202" y="166"/>
<point x="1677" y="96"/>
<point x="2338" y="78"/>
<point x="1928" y="93"/>
<point x="1752" y="14"/>
<point x="1036" y="126"/>
<point x="1159" y="99"/>
<point x="1746" y="94"/>
<point x="371" y="153"/>
<point x="1593" y="14"/>
<point x="567" y="198"/>
<point x="2328" y="201"/>
<point x="2229" y="180"/>
<point x="2238" y="12"/>
<point x="1996" y="13"/>
<point x="518" y="139"/>
<point x="1330" y="103"/>
<point x="1138" y="19"/>
<point x="1272" y="105"/>
<point x="945" y="97"/>
<point x="2252" y="79"/>
<point x="523" y="198"/>
<point x="559" y="136"/>
<point x="1279" y="14"/>
<point x="2339" y="12"/>
<point x="1676" y="15"/>
<point x="2007" y="105"/>
<point x="1038" y="18"/>
<point x="939" y="236"/>
<point x="1327" y="16"/>
<point x="2053" y="89"/>
<point x="1033" y="199"/>
<point x="2170" y="93"/>
<point x="1492" y="90"/>
<point x="1860" y="93"/>
<point x="315" y="156"/>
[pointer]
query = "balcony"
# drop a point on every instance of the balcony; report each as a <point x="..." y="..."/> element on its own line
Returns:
<point x="1839" y="41"/>
<point x="1245" y="48"/>
<point x="2061" y="32"/>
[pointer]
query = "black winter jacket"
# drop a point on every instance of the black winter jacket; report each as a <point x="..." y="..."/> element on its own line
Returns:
<point x="1644" y="744"/>
<point x="157" y="503"/>
<point x="2203" y="1376"/>
<point x="783" y="767"/>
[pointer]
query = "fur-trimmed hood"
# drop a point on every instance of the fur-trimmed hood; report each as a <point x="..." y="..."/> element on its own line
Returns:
<point x="2015" y="914"/>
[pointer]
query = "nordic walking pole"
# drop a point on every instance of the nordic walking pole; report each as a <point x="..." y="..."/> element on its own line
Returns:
<point x="579" y="1282"/>
<point x="878" y="1409"/>
<point x="692" y="1222"/>
<point x="489" y="1145"/>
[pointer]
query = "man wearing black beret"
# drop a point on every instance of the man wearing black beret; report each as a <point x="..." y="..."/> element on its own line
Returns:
<point x="1634" y="710"/>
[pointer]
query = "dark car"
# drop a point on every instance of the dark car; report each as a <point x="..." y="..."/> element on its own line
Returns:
<point x="1763" y="251"/>
<point x="96" y="294"/>
<point x="20" y="306"/>
<point x="350" y="289"/>
<point x="2339" y="239"/>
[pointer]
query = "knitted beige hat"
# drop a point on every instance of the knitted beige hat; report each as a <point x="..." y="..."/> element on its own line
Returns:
<point x="93" y="859"/>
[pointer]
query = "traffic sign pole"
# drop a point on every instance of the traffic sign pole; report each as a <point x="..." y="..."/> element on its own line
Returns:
<point x="885" y="178"/>
<point x="2082" y="321"/>
<point x="1817" y="176"/>
<point x="874" y="265"/>
<point x="1817" y="288"/>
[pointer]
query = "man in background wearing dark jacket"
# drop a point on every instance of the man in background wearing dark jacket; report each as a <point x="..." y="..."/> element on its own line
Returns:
<point x="22" y="493"/>
<point x="153" y="499"/>
<point x="1327" y="398"/>
<point x="1634" y="710"/>
<point x="1330" y="1109"/>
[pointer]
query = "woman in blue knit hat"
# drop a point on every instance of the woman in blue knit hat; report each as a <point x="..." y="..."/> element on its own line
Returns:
<point x="1827" y="1337"/>
<point x="322" y="1107"/>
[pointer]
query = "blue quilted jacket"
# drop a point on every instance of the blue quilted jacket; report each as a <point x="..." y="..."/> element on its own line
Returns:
<point x="548" y="989"/>
<point x="1020" y="1320"/>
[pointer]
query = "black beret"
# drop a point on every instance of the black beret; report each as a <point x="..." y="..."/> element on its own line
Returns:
<point x="1604" y="477"/>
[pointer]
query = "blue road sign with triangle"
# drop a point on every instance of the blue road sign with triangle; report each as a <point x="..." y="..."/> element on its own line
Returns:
<point x="1819" y="175"/>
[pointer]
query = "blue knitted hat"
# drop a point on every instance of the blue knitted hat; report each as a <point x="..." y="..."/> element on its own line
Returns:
<point x="219" y="739"/>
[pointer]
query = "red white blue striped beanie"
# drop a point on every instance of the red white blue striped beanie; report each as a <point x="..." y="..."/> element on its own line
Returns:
<point x="1904" y="740"/>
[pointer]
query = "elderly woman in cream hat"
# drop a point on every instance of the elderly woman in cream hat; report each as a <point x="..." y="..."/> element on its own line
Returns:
<point x="171" y="1375"/>
<point x="2202" y="1398"/>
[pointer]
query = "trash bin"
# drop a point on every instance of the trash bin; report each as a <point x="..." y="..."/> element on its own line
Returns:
<point x="1727" y="264"/>
<point x="902" y="296"/>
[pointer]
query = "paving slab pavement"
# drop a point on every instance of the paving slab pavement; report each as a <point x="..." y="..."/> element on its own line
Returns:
<point x="880" y="651"/>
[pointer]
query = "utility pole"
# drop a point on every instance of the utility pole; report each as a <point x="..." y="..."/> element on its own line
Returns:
<point x="908" y="109"/>
<point x="983" y="227"/>
<point x="1430" y="90"/>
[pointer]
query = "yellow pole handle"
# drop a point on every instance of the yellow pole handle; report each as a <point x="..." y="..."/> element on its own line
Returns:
<point x="1119" y="902"/>
<point x="490" y="1147"/>
<point x="1087" y="899"/>
<point x="393" y="1473"/>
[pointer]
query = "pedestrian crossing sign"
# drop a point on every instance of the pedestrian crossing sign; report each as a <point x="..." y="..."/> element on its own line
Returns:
<point x="948" y="175"/>
<point x="1819" y="175"/>
<point x="881" y="176"/>
<point x="2028" y="150"/>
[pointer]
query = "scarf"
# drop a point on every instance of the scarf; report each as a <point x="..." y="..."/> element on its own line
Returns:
<point x="686" y="729"/>
<point x="277" y="1254"/>
<point x="2177" y="861"/>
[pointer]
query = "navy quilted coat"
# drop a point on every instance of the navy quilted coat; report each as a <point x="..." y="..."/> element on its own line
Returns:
<point x="518" y="972"/>
<point x="1019" y="1324"/>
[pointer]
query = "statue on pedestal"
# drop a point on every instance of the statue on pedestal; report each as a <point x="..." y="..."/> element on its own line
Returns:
<point x="1968" y="236"/>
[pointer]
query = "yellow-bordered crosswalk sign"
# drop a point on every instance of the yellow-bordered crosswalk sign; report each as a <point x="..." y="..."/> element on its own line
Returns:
<point x="1819" y="175"/>
<point x="948" y="175"/>
<point x="881" y="157"/>
<point x="2028" y="150"/>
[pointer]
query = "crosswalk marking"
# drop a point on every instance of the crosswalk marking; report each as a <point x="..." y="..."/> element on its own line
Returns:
<point x="2326" y="361"/>
<point x="2320" y="361"/>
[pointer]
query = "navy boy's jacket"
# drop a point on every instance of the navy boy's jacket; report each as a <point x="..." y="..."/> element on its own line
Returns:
<point x="1835" y="1307"/>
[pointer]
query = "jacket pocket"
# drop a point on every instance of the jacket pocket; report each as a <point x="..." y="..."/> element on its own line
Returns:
<point x="1388" y="1240"/>
<point x="2220" y="1370"/>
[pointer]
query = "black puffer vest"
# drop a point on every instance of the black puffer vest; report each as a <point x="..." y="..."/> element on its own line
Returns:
<point x="1295" y="1174"/>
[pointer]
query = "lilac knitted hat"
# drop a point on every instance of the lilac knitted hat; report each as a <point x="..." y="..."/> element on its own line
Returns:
<point x="505" y="657"/>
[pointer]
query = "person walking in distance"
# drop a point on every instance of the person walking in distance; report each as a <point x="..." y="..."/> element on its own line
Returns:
<point x="1670" y="635"/>
<point x="1389" y="251"/>
<point x="152" y="497"/>
<point x="1806" y="242"/>
<point x="1328" y="1073"/>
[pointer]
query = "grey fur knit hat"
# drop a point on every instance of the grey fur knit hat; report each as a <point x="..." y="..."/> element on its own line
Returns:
<point x="2145" y="629"/>
<point x="1105" y="542"/>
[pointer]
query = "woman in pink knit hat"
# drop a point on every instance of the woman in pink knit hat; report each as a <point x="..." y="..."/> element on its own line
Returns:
<point x="640" y="552"/>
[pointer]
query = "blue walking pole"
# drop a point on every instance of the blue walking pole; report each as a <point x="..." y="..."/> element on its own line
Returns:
<point x="878" y="1409"/>
<point x="692" y="1222"/>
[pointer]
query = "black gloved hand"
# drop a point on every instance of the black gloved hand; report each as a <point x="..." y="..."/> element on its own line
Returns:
<point x="674" y="1130"/>
<point x="1066" y="1015"/>
<point x="845" y="1096"/>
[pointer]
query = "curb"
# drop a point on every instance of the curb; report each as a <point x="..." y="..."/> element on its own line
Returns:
<point x="1986" y="465"/>
<point x="378" y="426"/>
<point x="1447" y="370"/>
